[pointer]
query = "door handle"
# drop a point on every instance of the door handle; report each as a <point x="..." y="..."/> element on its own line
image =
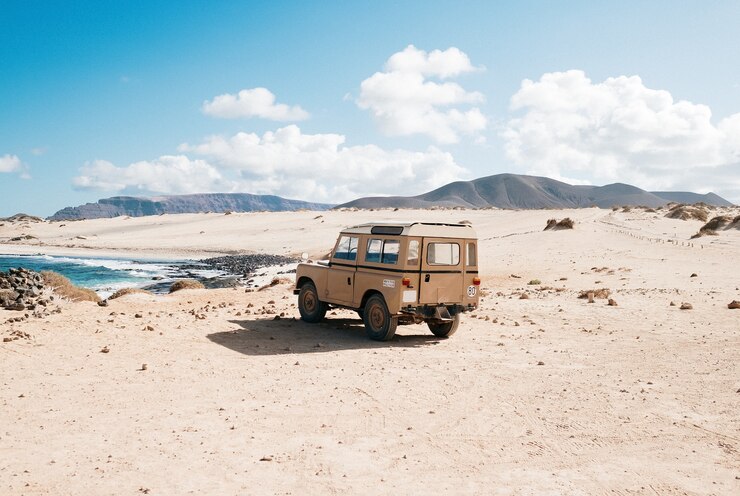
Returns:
<point x="349" y="281"/>
<point x="426" y="278"/>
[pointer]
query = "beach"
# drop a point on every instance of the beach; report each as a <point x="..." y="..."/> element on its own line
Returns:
<point x="226" y="391"/>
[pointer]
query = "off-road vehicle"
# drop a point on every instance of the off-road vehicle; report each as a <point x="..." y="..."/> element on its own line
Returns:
<point x="395" y="273"/>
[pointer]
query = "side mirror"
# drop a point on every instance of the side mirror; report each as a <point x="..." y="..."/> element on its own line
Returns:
<point x="304" y="256"/>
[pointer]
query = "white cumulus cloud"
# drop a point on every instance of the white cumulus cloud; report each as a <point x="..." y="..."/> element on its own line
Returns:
<point x="404" y="101"/>
<point x="286" y="162"/>
<point x="169" y="174"/>
<point x="10" y="163"/>
<point x="320" y="167"/>
<point x="619" y="130"/>
<point x="255" y="102"/>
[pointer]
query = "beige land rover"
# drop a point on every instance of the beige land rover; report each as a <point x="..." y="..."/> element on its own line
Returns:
<point x="395" y="273"/>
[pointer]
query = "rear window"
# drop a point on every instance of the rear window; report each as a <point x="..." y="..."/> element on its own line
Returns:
<point x="443" y="254"/>
<point x="413" y="255"/>
<point x="346" y="248"/>
<point x="471" y="260"/>
<point x="382" y="251"/>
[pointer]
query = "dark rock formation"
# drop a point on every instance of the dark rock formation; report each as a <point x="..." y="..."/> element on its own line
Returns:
<point x="183" y="204"/>
<point x="22" y="289"/>
<point x="246" y="265"/>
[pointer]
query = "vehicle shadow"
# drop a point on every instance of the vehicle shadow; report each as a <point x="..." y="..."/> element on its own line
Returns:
<point x="289" y="336"/>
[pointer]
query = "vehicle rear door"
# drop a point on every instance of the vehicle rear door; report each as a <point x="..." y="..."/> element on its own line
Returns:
<point x="441" y="271"/>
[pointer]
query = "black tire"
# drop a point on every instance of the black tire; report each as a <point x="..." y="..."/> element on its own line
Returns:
<point x="379" y="324"/>
<point x="312" y="309"/>
<point x="445" y="329"/>
<point x="361" y="313"/>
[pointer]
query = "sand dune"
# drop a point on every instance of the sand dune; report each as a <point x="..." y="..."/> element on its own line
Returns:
<point x="545" y="395"/>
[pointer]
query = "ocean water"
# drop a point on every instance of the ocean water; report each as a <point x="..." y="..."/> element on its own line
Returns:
<point x="106" y="275"/>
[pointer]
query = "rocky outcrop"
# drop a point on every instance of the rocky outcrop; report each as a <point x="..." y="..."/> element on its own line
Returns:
<point x="22" y="289"/>
<point x="183" y="204"/>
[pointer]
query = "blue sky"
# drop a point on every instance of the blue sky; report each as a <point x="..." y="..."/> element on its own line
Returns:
<point x="110" y="98"/>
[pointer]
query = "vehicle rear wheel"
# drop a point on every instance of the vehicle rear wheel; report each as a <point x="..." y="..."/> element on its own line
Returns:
<point x="312" y="309"/>
<point x="445" y="329"/>
<point x="379" y="324"/>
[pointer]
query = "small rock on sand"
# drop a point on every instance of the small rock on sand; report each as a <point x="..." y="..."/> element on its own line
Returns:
<point x="686" y="306"/>
<point x="734" y="304"/>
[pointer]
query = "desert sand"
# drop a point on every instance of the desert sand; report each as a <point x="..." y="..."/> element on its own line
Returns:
<point x="227" y="392"/>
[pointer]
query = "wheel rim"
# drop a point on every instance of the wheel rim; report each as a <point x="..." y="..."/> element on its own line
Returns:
<point x="309" y="301"/>
<point x="377" y="317"/>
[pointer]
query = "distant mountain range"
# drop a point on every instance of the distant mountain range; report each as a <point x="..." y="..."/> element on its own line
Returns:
<point x="531" y="192"/>
<point x="501" y="190"/>
<point x="183" y="204"/>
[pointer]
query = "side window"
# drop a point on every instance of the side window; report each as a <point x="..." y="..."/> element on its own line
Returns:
<point x="346" y="248"/>
<point x="374" y="248"/>
<point x="390" y="251"/>
<point x="380" y="251"/>
<point x="443" y="254"/>
<point x="413" y="256"/>
<point x="471" y="259"/>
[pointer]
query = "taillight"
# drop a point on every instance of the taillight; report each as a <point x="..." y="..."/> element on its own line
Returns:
<point x="476" y="281"/>
<point x="406" y="281"/>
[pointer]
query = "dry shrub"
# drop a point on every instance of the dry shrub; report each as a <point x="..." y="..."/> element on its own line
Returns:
<point x="186" y="284"/>
<point x="566" y="223"/>
<point x="555" y="225"/>
<point x="626" y="209"/>
<point x="602" y="293"/>
<point x="650" y="211"/>
<point x="275" y="281"/>
<point x="687" y="212"/>
<point x="127" y="291"/>
<point x="64" y="287"/>
<point x="534" y="282"/>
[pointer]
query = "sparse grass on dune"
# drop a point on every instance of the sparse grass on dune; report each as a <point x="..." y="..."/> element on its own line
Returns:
<point x="186" y="284"/>
<point x="64" y="287"/>
<point x="717" y="223"/>
<point x="127" y="291"/>
<point x="688" y="212"/>
<point x="720" y="222"/>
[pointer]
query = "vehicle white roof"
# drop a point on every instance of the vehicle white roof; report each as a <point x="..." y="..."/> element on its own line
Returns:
<point x="422" y="229"/>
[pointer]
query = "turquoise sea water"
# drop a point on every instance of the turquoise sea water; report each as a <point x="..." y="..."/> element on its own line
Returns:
<point x="106" y="275"/>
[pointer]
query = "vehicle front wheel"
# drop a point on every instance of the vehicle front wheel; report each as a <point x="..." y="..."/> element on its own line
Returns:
<point x="379" y="324"/>
<point x="445" y="329"/>
<point x="312" y="309"/>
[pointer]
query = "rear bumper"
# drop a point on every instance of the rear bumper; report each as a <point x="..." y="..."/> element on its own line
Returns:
<point x="430" y="311"/>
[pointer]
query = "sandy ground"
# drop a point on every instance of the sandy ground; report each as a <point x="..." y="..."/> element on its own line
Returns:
<point x="547" y="395"/>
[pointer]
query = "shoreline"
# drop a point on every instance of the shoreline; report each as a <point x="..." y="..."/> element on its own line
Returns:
<point x="147" y="254"/>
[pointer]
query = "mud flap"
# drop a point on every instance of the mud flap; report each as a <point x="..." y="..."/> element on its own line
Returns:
<point x="442" y="314"/>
